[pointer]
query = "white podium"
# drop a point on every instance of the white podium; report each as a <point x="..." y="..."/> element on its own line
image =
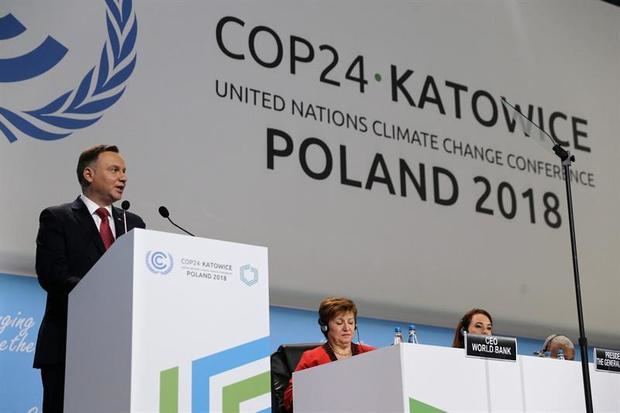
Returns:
<point x="170" y="323"/>
<point x="416" y="378"/>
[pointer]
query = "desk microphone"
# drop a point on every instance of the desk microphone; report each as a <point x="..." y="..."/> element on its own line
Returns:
<point x="359" y="341"/>
<point x="163" y="211"/>
<point x="125" y="206"/>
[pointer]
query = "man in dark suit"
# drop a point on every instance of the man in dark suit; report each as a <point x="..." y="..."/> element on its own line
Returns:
<point x="71" y="238"/>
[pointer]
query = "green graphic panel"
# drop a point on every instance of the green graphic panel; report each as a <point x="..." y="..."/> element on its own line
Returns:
<point x="169" y="391"/>
<point x="234" y="394"/>
<point x="416" y="406"/>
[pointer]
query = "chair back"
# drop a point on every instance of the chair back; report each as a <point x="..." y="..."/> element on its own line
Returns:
<point x="283" y="363"/>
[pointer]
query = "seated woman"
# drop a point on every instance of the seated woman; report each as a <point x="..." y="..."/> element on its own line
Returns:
<point x="338" y="321"/>
<point x="475" y="321"/>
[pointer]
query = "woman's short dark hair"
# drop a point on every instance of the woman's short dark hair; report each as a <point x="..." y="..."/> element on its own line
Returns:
<point x="332" y="306"/>
<point x="463" y="325"/>
<point x="88" y="157"/>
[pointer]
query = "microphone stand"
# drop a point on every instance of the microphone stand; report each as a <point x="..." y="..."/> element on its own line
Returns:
<point x="566" y="159"/>
<point x="163" y="211"/>
<point x="181" y="228"/>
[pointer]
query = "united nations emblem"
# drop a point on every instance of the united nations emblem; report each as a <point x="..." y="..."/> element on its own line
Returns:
<point x="83" y="105"/>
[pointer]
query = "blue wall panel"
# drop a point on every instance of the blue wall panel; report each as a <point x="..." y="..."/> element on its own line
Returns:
<point x="22" y="302"/>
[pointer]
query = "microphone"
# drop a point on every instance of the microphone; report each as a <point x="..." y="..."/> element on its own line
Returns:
<point x="360" y="350"/>
<point x="544" y="351"/>
<point x="125" y="206"/>
<point x="163" y="211"/>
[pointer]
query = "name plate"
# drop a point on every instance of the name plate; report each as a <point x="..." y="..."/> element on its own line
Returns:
<point x="491" y="347"/>
<point x="607" y="360"/>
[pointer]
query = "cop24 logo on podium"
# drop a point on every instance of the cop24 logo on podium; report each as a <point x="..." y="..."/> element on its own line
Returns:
<point x="83" y="105"/>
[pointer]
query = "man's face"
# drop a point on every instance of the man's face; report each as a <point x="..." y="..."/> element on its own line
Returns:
<point x="107" y="179"/>
<point x="569" y="353"/>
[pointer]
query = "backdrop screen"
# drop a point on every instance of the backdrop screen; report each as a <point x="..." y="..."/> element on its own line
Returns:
<point x="364" y="143"/>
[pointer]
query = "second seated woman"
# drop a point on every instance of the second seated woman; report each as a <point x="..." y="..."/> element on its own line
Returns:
<point x="475" y="321"/>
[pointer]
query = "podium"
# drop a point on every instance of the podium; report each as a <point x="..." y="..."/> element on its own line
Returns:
<point x="416" y="378"/>
<point x="170" y="323"/>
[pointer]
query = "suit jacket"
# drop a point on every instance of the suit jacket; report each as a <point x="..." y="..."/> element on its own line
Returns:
<point x="68" y="245"/>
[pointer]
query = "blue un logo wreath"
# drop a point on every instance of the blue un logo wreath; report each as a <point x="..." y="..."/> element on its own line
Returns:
<point x="99" y="89"/>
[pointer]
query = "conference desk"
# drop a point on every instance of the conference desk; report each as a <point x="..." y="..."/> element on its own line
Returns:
<point x="419" y="378"/>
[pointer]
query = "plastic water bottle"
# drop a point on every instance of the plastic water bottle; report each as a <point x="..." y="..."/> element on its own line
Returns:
<point x="560" y="354"/>
<point x="398" y="336"/>
<point x="412" y="337"/>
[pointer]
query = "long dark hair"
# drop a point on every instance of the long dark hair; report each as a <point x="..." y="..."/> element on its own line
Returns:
<point x="463" y="325"/>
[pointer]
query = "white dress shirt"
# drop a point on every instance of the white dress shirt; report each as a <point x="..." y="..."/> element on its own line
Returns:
<point x="92" y="207"/>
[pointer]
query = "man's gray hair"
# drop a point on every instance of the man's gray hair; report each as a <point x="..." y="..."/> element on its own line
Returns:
<point x="558" y="338"/>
